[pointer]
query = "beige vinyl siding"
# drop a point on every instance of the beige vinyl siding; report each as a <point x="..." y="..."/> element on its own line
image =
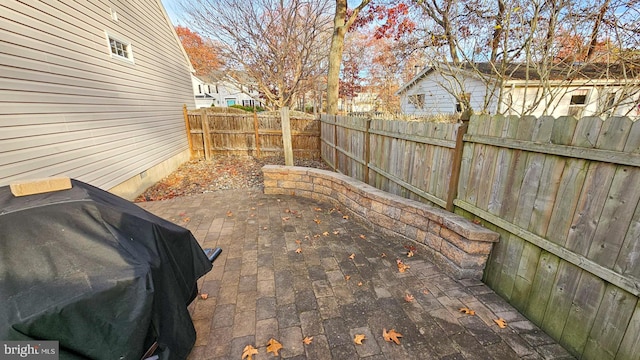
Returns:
<point x="67" y="107"/>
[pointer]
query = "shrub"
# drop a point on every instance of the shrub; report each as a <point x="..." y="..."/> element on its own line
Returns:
<point x="248" y="108"/>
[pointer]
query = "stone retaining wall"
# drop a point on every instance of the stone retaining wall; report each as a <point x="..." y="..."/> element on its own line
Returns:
<point x="454" y="243"/>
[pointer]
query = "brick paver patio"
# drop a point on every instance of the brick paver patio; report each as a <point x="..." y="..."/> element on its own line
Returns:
<point x="261" y="288"/>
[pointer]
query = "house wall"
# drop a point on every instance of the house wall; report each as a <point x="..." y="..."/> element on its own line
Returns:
<point x="68" y="107"/>
<point x="222" y="94"/>
<point x="229" y="92"/>
<point x="438" y="97"/>
<point x="560" y="102"/>
<point x="517" y="99"/>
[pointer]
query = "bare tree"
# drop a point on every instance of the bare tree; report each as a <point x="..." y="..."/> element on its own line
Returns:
<point x="551" y="47"/>
<point x="276" y="44"/>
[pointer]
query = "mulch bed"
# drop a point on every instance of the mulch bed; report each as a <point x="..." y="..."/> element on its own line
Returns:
<point x="219" y="173"/>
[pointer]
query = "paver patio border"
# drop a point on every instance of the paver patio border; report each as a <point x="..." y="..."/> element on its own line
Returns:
<point x="455" y="244"/>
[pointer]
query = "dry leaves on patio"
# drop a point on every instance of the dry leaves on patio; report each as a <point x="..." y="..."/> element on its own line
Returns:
<point x="392" y="335"/>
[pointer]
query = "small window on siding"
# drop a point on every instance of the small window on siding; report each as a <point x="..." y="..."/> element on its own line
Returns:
<point x="464" y="100"/>
<point x="417" y="100"/>
<point x="120" y="49"/>
<point x="577" y="103"/>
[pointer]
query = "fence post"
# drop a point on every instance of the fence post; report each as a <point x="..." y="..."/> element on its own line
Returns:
<point x="367" y="150"/>
<point x="457" y="162"/>
<point x="335" y="143"/>
<point x="286" y="136"/>
<point x="255" y="127"/>
<point x="188" y="128"/>
<point x="206" y="133"/>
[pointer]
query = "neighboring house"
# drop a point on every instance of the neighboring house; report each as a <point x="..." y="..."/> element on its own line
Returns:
<point x="362" y="103"/>
<point x="216" y="91"/>
<point x="443" y="89"/>
<point x="92" y="90"/>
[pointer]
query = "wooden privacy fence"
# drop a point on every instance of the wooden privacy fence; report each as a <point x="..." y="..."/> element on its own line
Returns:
<point x="408" y="158"/>
<point x="214" y="133"/>
<point x="564" y="194"/>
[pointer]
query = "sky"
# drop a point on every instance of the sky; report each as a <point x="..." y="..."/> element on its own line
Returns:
<point x="171" y="6"/>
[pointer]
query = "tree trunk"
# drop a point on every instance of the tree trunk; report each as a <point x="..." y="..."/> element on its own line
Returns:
<point x="340" y="26"/>
<point x="335" y="56"/>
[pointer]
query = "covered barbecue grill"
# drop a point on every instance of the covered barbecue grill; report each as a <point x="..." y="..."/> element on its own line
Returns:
<point x="97" y="273"/>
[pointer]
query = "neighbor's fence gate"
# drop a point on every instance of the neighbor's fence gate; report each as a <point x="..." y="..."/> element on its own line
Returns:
<point x="213" y="132"/>
<point x="564" y="195"/>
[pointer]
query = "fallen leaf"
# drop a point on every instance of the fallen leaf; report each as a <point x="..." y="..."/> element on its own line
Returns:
<point x="260" y="204"/>
<point x="402" y="267"/>
<point x="307" y="340"/>
<point x="264" y="228"/>
<point x="326" y="233"/>
<point x="410" y="253"/>
<point x="316" y="236"/>
<point x="248" y="352"/>
<point x="186" y="219"/>
<point x="411" y="248"/>
<point x="273" y="346"/>
<point x="497" y="27"/>
<point x="252" y="215"/>
<point x="467" y="311"/>
<point x="253" y="208"/>
<point x="362" y="236"/>
<point x="392" y="335"/>
<point x="352" y="256"/>
<point x="358" y="339"/>
<point x="229" y="213"/>
<point x="204" y="296"/>
<point x="298" y="250"/>
<point x="347" y="277"/>
<point x="294" y="212"/>
<point x="502" y="323"/>
<point x="360" y="283"/>
<point x="285" y="218"/>
<point x="298" y="242"/>
<point x="278" y="200"/>
<point x="476" y="221"/>
<point x="287" y="211"/>
<point x="383" y="255"/>
<point x="317" y="221"/>
<point x="317" y="209"/>
<point x="336" y="232"/>
<point x="307" y="237"/>
<point x="408" y="298"/>
<point x="346" y="217"/>
<point x="426" y="292"/>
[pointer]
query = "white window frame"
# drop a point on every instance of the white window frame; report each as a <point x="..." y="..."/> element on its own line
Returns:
<point x="576" y="109"/>
<point x="128" y="49"/>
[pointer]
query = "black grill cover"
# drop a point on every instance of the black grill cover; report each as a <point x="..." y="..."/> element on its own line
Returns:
<point x="97" y="273"/>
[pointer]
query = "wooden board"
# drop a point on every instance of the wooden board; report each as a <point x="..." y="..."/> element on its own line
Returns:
<point x="582" y="313"/>
<point x="610" y="324"/>
<point x="39" y="186"/>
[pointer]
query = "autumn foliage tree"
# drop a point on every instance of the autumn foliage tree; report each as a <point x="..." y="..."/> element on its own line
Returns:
<point x="202" y="53"/>
<point x="550" y="42"/>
